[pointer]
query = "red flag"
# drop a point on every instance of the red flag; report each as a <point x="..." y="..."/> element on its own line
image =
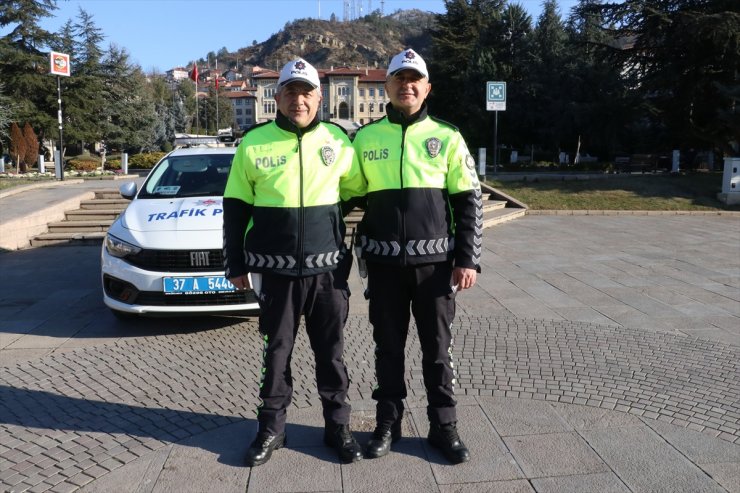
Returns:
<point x="217" y="83"/>
<point x="194" y="73"/>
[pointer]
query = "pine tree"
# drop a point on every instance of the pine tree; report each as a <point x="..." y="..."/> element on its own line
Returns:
<point x="18" y="147"/>
<point x="129" y="115"/>
<point x="6" y="114"/>
<point x="84" y="91"/>
<point x="683" y="58"/>
<point x="24" y="60"/>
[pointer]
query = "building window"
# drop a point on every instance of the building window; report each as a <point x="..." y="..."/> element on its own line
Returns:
<point x="248" y="112"/>
<point x="381" y="107"/>
<point x="381" y="93"/>
<point x="239" y="102"/>
<point x="362" y="107"/>
<point x="268" y="107"/>
<point x="362" y="92"/>
<point x="371" y="92"/>
<point x="238" y="111"/>
<point x="269" y="92"/>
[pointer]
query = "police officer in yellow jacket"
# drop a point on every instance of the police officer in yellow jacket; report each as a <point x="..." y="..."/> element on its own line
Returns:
<point x="421" y="240"/>
<point x="283" y="225"/>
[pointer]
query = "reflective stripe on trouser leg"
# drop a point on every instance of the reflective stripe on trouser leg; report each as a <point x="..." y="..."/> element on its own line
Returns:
<point x="280" y="308"/>
<point x="433" y="306"/>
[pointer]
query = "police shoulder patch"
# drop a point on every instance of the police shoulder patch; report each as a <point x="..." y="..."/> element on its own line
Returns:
<point x="470" y="162"/>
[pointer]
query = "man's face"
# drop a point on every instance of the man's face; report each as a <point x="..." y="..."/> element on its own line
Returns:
<point x="299" y="102"/>
<point x="407" y="90"/>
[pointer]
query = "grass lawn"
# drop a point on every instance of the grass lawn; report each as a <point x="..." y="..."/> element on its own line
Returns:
<point x="685" y="192"/>
<point x="6" y="183"/>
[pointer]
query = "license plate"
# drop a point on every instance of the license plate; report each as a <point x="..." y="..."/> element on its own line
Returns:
<point x="197" y="285"/>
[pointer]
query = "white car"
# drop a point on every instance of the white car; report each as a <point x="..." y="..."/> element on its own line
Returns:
<point x="164" y="253"/>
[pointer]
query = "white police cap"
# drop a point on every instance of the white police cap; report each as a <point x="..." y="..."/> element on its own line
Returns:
<point x="408" y="59"/>
<point x="299" y="70"/>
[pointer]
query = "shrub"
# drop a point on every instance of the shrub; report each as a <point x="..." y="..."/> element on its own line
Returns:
<point x="18" y="147"/>
<point x="32" y="146"/>
<point x="145" y="160"/>
<point x="83" y="163"/>
<point x="113" y="164"/>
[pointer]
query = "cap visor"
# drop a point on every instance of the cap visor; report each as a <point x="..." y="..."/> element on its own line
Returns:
<point x="298" y="79"/>
<point x="409" y="68"/>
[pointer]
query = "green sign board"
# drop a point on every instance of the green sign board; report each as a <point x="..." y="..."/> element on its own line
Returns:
<point x="496" y="96"/>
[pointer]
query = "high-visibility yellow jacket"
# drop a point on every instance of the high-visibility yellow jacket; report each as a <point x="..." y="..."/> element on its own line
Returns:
<point x="424" y="200"/>
<point x="282" y="203"/>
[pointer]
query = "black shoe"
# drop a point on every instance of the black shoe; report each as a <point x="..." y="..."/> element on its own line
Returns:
<point x="262" y="446"/>
<point x="380" y="443"/>
<point x="340" y="438"/>
<point x="445" y="438"/>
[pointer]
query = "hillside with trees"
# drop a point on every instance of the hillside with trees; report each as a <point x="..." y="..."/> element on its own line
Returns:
<point x="613" y="77"/>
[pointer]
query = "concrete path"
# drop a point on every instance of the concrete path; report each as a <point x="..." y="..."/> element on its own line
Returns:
<point x="596" y="354"/>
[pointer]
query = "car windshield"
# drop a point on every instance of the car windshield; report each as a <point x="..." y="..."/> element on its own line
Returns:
<point x="188" y="176"/>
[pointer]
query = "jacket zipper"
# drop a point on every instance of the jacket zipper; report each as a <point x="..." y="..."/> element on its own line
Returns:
<point x="402" y="236"/>
<point x="301" y="218"/>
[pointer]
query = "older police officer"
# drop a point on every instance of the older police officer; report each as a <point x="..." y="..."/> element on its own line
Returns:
<point x="283" y="224"/>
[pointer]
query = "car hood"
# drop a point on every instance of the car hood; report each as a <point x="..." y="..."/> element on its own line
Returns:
<point x="186" y="214"/>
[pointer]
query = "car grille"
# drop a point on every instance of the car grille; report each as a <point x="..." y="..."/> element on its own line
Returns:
<point x="153" y="298"/>
<point x="175" y="261"/>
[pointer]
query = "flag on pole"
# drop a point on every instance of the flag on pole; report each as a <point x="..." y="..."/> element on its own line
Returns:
<point x="194" y="73"/>
<point x="217" y="83"/>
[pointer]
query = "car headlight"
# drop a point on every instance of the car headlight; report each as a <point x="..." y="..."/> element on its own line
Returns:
<point x="119" y="248"/>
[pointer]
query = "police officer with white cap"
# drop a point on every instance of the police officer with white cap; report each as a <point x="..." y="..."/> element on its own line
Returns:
<point x="420" y="238"/>
<point x="283" y="224"/>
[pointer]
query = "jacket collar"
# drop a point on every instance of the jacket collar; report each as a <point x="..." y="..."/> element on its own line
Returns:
<point x="284" y="123"/>
<point x="395" y="116"/>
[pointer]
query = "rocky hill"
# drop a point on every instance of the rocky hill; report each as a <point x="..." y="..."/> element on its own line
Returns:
<point x="369" y="41"/>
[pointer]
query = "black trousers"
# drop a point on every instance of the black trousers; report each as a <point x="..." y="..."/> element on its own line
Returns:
<point x="425" y="289"/>
<point x="324" y="303"/>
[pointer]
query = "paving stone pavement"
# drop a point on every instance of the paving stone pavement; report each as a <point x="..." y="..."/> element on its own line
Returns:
<point x="595" y="354"/>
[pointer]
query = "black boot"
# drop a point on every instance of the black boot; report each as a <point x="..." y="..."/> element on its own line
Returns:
<point x="262" y="446"/>
<point x="340" y="438"/>
<point x="445" y="438"/>
<point x="380" y="443"/>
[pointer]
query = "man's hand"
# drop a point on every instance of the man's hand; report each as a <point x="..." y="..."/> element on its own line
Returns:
<point x="240" y="282"/>
<point x="463" y="278"/>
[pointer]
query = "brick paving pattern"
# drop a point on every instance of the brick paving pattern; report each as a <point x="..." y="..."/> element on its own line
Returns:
<point x="73" y="417"/>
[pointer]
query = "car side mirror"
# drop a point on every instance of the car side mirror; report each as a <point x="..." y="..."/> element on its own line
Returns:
<point x="128" y="190"/>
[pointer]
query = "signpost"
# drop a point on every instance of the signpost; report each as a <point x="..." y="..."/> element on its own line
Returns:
<point x="60" y="66"/>
<point x="495" y="101"/>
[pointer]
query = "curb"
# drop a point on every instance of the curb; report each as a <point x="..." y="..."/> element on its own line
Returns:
<point x="54" y="183"/>
<point x="576" y="212"/>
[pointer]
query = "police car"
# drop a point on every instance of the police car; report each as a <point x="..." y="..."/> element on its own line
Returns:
<point x="164" y="254"/>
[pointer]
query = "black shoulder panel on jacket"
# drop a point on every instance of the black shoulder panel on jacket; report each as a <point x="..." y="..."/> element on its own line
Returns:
<point x="439" y="120"/>
<point x="256" y="125"/>
<point x="338" y="126"/>
<point x="370" y="123"/>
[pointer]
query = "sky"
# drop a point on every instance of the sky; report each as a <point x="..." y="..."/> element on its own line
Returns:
<point x="163" y="34"/>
